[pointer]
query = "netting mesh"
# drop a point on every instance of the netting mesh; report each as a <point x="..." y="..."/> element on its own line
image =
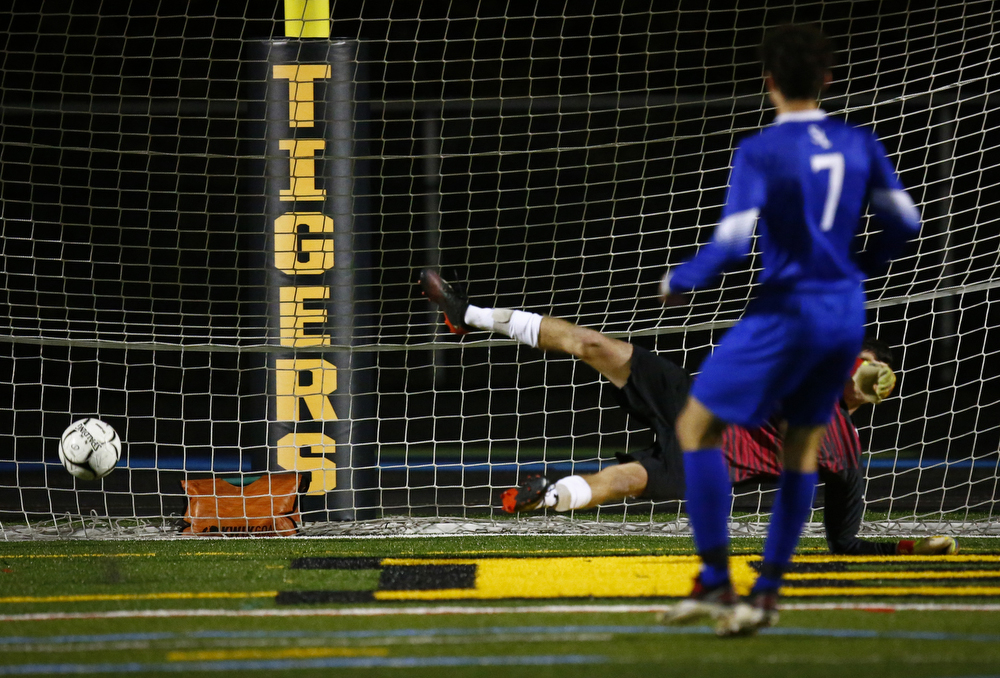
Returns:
<point x="556" y="157"/>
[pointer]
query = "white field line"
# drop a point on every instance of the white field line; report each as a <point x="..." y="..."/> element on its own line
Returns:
<point x="474" y="610"/>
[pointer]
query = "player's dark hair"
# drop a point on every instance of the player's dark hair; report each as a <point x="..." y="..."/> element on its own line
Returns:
<point x="879" y="349"/>
<point x="798" y="57"/>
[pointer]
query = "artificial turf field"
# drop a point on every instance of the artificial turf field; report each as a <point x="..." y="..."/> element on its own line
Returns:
<point x="477" y="606"/>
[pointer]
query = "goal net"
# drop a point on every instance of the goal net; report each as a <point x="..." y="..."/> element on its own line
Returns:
<point x="554" y="157"/>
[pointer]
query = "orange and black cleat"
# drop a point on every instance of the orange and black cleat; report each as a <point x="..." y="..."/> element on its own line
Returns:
<point x="527" y="496"/>
<point x="452" y="302"/>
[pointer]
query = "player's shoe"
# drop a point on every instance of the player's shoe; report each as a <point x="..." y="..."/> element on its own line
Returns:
<point x="702" y="603"/>
<point x="451" y="301"/>
<point x="935" y="546"/>
<point x="758" y="611"/>
<point x="527" y="496"/>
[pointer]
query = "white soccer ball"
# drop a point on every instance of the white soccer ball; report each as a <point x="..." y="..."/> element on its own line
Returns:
<point x="90" y="448"/>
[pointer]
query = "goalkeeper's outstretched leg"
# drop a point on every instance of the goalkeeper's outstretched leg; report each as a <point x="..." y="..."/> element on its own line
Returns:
<point x="612" y="358"/>
<point x="612" y="484"/>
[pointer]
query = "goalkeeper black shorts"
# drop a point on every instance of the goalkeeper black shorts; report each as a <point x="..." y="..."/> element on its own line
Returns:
<point x="655" y="394"/>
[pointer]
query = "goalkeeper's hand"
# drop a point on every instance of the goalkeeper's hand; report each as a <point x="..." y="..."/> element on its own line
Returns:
<point x="874" y="381"/>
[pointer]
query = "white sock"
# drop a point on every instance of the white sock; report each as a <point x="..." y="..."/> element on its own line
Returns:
<point x="519" y="325"/>
<point x="479" y="317"/>
<point x="574" y="492"/>
<point x="551" y="497"/>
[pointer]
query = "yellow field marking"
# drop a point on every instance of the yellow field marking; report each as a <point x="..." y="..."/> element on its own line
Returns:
<point x="901" y="560"/>
<point x="826" y="558"/>
<point x="553" y="552"/>
<point x="76" y="555"/>
<point x="440" y="561"/>
<point x="574" y="577"/>
<point x="289" y="653"/>
<point x="877" y="591"/>
<point x="116" y="555"/>
<point x="177" y="595"/>
<point x="622" y="576"/>
<point x="916" y="574"/>
<point x="437" y="594"/>
<point x="671" y="576"/>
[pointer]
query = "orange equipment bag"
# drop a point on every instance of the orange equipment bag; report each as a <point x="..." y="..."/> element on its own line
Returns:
<point x="266" y="507"/>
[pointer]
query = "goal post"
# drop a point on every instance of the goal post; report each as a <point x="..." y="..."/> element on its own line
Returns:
<point x="320" y="390"/>
<point x="319" y="243"/>
<point x="214" y="216"/>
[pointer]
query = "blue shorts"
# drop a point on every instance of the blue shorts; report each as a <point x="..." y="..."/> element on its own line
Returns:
<point x="790" y="353"/>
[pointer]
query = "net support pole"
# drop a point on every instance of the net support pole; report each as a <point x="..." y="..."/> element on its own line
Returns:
<point x="322" y="401"/>
<point x="431" y="141"/>
<point x="945" y="308"/>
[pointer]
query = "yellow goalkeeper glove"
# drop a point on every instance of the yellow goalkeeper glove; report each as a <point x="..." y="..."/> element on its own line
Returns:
<point x="874" y="381"/>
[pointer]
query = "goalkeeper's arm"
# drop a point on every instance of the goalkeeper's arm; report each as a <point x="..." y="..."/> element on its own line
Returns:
<point x="874" y="381"/>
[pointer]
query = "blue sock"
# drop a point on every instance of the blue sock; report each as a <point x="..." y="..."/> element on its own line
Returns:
<point x="709" y="497"/>
<point x="791" y="509"/>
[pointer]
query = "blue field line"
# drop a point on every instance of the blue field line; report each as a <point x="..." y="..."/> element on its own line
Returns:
<point x="86" y="638"/>
<point x="486" y="467"/>
<point x="989" y="462"/>
<point x="501" y="630"/>
<point x="882" y="635"/>
<point x="595" y="466"/>
<point x="219" y="465"/>
<point x="612" y="629"/>
<point x="423" y="464"/>
<point x="291" y="664"/>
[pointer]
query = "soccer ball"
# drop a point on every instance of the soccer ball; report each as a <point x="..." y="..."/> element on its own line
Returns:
<point x="89" y="449"/>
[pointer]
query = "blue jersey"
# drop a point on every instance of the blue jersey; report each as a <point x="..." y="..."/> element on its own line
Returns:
<point x="806" y="180"/>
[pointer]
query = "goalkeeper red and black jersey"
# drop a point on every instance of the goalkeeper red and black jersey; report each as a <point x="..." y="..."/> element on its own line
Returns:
<point x="753" y="452"/>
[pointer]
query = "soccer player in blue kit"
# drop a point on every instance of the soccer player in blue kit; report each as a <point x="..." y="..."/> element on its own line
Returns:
<point x="803" y="183"/>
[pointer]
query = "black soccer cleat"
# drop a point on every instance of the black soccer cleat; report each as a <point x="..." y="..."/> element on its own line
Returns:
<point x="452" y="302"/>
<point x="526" y="496"/>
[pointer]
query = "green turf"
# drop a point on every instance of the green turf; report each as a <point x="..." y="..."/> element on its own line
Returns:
<point x="901" y="644"/>
<point x="806" y="643"/>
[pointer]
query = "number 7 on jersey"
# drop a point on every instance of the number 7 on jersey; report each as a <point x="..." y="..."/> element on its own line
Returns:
<point x="834" y="162"/>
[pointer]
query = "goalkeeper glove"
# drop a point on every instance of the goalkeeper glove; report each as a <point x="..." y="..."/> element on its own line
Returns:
<point x="874" y="381"/>
<point x="928" y="546"/>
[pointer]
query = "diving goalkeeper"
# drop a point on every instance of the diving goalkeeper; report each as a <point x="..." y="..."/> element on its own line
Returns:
<point x="653" y="390"/>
